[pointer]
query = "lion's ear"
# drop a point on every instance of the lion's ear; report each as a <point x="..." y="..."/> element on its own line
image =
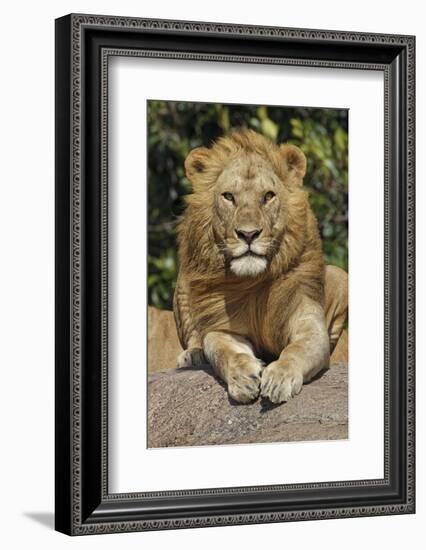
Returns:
<point x="295" y="161"/>
<point x="196" y="164"/>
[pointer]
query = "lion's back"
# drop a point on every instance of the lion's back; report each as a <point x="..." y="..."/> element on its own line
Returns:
<point x="163" y="341"/>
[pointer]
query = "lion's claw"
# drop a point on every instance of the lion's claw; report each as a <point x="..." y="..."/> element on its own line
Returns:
<point x="191" y="357"/>
<point x="244" y="379"/>
<point x="280" y="382"/>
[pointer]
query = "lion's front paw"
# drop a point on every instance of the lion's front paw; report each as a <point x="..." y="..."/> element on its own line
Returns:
<point x="191" y="357"/>
<point x="244" y="378"/>
<point x="280" y="382"/>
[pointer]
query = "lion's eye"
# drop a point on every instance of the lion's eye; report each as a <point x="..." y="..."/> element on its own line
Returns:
<point x="268" y="196"/>
<point x="228" y="196"/>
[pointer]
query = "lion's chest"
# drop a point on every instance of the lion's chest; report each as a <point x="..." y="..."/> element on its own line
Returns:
<point x="257" y="313"/>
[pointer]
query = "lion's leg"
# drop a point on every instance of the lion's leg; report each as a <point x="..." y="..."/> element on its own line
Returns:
<point x="232" y="358"/>
<point x="336" y="302"/>
<point x="307" y="352"/>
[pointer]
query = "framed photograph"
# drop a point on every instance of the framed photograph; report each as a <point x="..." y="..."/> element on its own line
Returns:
<point x="234" y="274"/>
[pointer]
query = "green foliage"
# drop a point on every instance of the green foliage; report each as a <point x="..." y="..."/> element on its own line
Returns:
<point x="174" y="128"/>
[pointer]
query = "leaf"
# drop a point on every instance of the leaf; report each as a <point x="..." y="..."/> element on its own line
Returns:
<point x="341" y="138"/>
<point x="269" y="128"/>
<point x="224" y="120"/>
<point x="262" y="112"/>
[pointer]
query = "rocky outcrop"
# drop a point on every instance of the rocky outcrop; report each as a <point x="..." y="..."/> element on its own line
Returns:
<point x="192" y="407"/>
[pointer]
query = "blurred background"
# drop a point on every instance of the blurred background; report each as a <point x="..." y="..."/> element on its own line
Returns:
<point x="174" y="128"/>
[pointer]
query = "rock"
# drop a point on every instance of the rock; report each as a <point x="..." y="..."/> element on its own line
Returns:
<point x="191" y="407"/>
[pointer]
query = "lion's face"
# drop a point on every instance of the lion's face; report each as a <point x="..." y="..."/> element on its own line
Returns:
<point x="242" y="209"/>
<point x="249" y="203"/>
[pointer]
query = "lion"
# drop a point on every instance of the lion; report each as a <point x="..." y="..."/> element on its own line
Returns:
<point x="253" y="295"/>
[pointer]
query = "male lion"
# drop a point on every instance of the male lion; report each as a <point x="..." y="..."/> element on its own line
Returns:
<point x="252" y="288"/>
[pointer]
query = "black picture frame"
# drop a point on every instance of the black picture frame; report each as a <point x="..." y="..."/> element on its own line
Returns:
<point x="83" y="46"/>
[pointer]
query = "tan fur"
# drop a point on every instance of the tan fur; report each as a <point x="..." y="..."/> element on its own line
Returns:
<point x="267" y="292"/>
<point x="164" y="347"/>
<point x="163" y="341"/>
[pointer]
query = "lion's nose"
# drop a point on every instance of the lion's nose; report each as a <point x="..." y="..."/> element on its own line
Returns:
<point x="248" y="236"/>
